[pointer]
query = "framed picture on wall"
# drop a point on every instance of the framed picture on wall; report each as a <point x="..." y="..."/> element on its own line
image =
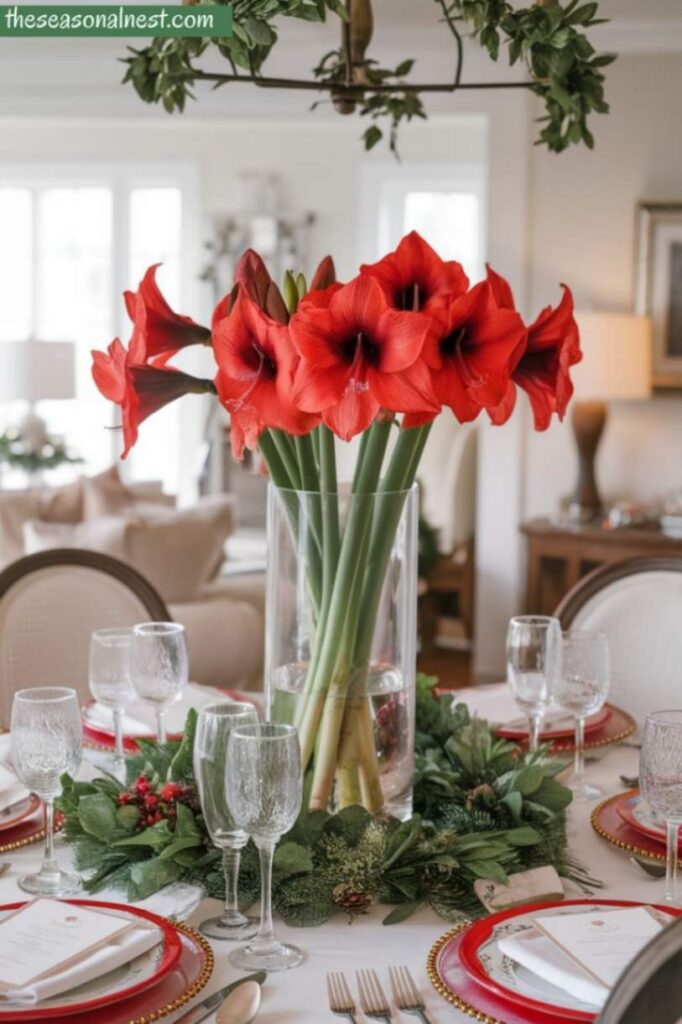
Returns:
<point x="658" y="286"/>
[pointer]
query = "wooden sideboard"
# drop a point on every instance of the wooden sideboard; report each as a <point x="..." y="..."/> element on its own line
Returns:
<point x="559" y="555"/>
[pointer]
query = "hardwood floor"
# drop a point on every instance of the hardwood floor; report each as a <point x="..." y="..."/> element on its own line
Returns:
<point x="453" y="668"/>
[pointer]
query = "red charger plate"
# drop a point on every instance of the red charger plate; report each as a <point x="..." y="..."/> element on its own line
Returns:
<point x="617" y="727"/>
<point x="27" y="831"/>
<point x="27" y="807"/>
<point x="626" y="809"/>
<point x="451" y="981"/>
<point x="481" y="930"/>
<point x="607" y="822"/>
<point x="104" y="738"/>
<point x="171" y="955"/>
<point x="593" y="722"/>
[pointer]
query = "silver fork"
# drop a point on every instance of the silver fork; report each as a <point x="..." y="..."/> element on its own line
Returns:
<point x="340" y="998"/>
<point x="372" y="996"/>
<point x="406" y="993"/>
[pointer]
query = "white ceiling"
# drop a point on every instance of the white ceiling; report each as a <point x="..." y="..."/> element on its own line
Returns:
<point x="81" y="77"/>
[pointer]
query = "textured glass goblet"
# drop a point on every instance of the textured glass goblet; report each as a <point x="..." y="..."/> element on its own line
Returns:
<point x="264" y="792"/>
<point x="45" y="742"/>
<point x="660" y="777"/>
<point x="215" y="723"/>
<point x="159" y="667"/>
<point x="534" y="667"/>
<point x="582" y="689"/>
<point x="110" y="682"/>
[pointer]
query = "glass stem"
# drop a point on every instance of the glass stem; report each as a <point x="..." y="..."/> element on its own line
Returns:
<point x="265" y="939"/>
<point x="119" y="756"/>
<point x="160" y="725"/>
<point x="534" y="735"/>
<point x="49" y="864"/>
<point x="672" y="837"/>
<point x="579" y="756"/>
<point x="231" y="859"/>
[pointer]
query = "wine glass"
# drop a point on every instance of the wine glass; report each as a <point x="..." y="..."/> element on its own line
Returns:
<point x="533" y="666"/>
<point x="660" y="776"/>
<point x="159" y="667"/>
<point x="582" y="689"/>
<point x="264" y="792"/>
<point x="110" y="682"/>
<point x="45" y="742"/>
<point x="214" y="725"/>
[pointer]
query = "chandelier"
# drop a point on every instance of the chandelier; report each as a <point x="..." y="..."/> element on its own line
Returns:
<point x="548" y="37"/>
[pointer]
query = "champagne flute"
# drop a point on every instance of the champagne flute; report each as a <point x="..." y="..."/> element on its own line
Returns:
<point x="582" y="689"/>
<point x="533" y="667"/>
<point x="110" y="682"/>
<point x="660" y="776"/>
<point x="45" y="742"/>
<point x="264" y="792"/>
<point x="159" y="667"/>
<point x="214" y="726"/>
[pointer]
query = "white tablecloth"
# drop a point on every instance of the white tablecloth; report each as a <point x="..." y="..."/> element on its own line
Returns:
<point x="299" y="996"/>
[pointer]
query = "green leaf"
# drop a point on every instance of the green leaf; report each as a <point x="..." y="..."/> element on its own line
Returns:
<point x="179" y="845"/>
<point x="291" y="859"/>
<point x="155" y="837"/>
<point x="552" y="795"/>
<point x="149" y="876"/>
<point x="529" y="779"/>
<point x="372" y="135"/>
<point x="185" y="822"/>
<point x="402" y="912"/>
<point x="523" y="836"/>
<point x="97" y="815"/>
<point x="181" y="767"/>
<point x="351" y="823"/>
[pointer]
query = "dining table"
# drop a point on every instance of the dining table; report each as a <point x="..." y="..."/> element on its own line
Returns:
<point x="299" y="996"/>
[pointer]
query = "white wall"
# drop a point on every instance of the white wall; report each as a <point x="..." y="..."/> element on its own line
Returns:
<point x="582" y="231"/>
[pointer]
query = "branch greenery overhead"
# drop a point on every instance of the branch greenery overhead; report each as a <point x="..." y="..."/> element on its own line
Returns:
<point x="549" y="37"/>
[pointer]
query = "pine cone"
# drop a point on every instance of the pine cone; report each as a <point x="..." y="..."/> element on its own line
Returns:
<point x="351" y="901"/>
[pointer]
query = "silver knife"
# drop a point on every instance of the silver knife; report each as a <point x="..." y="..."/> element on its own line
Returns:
<point x="211" y="1003"/>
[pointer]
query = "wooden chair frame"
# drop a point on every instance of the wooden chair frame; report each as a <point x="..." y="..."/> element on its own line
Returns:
<point x="124" y="573"/>
<point x="596" y="581"/>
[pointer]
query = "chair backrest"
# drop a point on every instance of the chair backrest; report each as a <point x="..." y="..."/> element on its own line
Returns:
<point x="649" y="990"/>
<point x="638" y="605"/>
<point x="49" y="605"/>
<point x="447" y="477"/>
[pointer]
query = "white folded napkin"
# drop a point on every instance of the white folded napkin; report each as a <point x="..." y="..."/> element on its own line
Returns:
<point x="542" y="957"/>
<point x="120" y="950"/>
<point x="11" y="790"/>
<point x="140" y="719"/>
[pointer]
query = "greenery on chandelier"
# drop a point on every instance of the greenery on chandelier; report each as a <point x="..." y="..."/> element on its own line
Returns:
<point x="484" y="809"/>
<point x="548" y="36"/>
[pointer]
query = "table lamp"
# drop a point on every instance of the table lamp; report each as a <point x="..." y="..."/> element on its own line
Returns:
<point x="35" y="371"/>
<point x="616" y="365"/>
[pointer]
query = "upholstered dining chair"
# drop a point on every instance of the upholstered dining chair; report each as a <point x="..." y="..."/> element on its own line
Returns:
<point x="637" y="603"/>
<point x="49" y="605"/>
<point x="649" y="990"/>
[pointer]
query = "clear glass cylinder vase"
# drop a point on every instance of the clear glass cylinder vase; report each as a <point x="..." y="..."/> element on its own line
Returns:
<point x="341" y="628"/>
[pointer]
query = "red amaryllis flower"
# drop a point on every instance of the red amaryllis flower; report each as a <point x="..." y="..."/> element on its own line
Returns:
<point x="359" y="355"/>
<point x="414" y="277"/>
<point x="158" y="330"/>
<point x="139" y="390"/>
<point x="256" y="361"/>
<point x="543" y="370"/>
<point x="252" y="277"/>
<point x="471" y="351"/>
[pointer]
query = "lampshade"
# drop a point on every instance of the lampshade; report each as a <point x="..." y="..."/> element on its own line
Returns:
<point x="617" y="353"/>
<point x="36" y="370"/>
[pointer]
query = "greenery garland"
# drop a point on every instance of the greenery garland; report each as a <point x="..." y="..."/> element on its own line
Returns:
<point x="483" y="807"/>
<point x="548" y="36"/>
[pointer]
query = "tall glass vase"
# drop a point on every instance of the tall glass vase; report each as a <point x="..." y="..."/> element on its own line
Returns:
<point x="341" y="641"/>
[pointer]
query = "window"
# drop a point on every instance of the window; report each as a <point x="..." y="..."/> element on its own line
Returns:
<point x="445" y="204"/>
<point x="70" y="244"/>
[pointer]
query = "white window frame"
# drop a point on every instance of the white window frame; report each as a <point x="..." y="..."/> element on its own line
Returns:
<point x="122" y="177"/>
<point x="384" y="186"/>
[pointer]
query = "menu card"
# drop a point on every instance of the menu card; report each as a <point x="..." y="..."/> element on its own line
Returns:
<point x="603" y="943"/>
<point x="47" y="936"/>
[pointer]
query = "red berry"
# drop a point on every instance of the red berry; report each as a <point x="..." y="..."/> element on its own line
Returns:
<point x="169" y="791"/>
<point x="150" y="819"/>
<point x="124" y="798"/>
<point x="151" y="802"/>
<point x="158" y="817"/>
<point x="142" y="785"/>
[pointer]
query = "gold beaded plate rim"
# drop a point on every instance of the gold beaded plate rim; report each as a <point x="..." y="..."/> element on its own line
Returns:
<point x="444" y="990"/>
<point x="193" y="989"/>
<point x="614" y="840"/>
<point x="561" y="746"/>
<point x="36" y="837"/>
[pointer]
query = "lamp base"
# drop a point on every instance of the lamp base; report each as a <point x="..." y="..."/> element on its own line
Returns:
<point x="588" y="420"/>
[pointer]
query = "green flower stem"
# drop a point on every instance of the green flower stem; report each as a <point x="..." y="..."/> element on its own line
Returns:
<point x="324" y="674"/>
<point x="288" y="457"/>
<point x="276" y="468"/>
